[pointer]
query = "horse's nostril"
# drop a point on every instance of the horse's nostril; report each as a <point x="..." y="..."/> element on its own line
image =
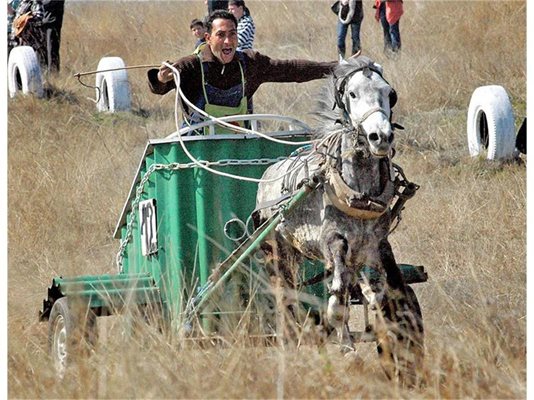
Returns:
<point x="391" y="137"/>
<point x="373" y="137"/>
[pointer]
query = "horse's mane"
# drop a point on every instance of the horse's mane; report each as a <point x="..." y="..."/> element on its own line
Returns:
<point x="327" y="112"/>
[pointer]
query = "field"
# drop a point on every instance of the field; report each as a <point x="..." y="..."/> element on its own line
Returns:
<point x="70" y="169"/>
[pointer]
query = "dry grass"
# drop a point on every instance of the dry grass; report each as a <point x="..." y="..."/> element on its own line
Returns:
<point x="70" y="170"/>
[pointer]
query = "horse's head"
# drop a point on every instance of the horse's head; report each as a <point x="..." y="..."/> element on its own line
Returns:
<point x="364" y="99"/>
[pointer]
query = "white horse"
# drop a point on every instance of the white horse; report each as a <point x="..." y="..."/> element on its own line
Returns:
<point x="346" y="221"/>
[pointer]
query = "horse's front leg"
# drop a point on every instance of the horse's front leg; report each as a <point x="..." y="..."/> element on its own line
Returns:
<point x="394" y="278"/>
<point x="338" y="312"/>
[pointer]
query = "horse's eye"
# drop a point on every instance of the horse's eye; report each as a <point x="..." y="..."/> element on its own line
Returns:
<point x="351" y="94"/>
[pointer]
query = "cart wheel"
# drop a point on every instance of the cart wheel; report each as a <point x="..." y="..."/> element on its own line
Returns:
<point x="400" y="338"/>
<point x="24" y="72"/>
<point x="113" y="89"/>
<point x="70" y="334"/>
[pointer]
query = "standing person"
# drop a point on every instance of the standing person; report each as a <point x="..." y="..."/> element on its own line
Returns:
<point x="198" y="30"/>
<point x="349" y="13"/>
<point x="216" y="5"/>
<point x="52" y="23"/>
<point x="245" y="24"/>
<point x="220" y="79"/>
<point x="388" y="12"/>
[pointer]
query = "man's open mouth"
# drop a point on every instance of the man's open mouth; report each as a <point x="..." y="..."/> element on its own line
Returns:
<point x="227" y="51"/>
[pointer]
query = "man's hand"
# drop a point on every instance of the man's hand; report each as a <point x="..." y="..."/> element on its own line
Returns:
<point x="165" y="74"/>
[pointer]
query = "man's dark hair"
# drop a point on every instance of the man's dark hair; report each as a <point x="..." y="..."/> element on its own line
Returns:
<point x="196" y="22"/>
<point x="223" y="14"/>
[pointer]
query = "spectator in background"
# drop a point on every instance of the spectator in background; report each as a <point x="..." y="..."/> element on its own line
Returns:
<point x="37" y="23"/>
<point x="349" y="13"/>
<point x="198" y="30"/>
<point x="216" y="5"/>
<point x="389" y="13"/>
<point x="245" y="25"/>
<point x="52" y="23"/>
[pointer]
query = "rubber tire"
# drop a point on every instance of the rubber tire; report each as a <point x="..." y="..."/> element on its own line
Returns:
<point x="70" y="334"/>
<point x="400" y="339"/>
<point x="113" y="93"/>
<point x="24" y="72"/>
<point x="490" y="111"/>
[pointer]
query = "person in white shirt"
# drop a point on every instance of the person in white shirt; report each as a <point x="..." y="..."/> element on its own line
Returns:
<point x="245" y="24"/>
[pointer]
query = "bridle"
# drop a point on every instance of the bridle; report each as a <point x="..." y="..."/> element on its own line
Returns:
<point x="345" y="107"/>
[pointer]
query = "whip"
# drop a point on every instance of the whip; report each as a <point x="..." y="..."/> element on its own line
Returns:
<point x="80" y="74"/>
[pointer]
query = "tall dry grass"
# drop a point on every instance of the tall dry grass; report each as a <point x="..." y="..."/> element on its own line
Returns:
<point x="70" y="170"/>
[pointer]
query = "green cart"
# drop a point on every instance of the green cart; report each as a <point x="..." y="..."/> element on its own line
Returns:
<point x="187" y="247"/>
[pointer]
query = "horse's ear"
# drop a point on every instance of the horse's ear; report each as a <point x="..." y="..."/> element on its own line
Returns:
<point x="366" y="72"/>
<point x="392" y="98"/>
<point x="339" y="100"/>
<point x="378" y="67"/>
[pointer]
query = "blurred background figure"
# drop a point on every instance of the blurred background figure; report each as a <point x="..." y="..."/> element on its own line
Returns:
<point x="37" y="23"/>
<point x="26" y="29"/>
<point x="198" y="29"/>
<point x="245" y="24"/>
<point x="349" y="13"/>
<point x="216" y="5"/>
<point x="389" y="13"/>
<point x="11" y="11"/>
<point x="52" y="23"/>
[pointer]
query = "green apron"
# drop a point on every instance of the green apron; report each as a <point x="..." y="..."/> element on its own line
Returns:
<point x="219" y="111"/>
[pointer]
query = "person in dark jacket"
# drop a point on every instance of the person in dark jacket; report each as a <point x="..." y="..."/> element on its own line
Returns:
<point x="349" y="13"/>
<point x="53" y="21"/>
<point x="220" y="80"/>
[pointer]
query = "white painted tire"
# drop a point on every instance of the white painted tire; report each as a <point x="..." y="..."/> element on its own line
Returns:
<point x="490" y="123"/>
<point x="24" y="72"/>
<point x="114" y="90"/>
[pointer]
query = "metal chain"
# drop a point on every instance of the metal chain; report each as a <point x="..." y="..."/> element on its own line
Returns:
<point x="175" y="167"/>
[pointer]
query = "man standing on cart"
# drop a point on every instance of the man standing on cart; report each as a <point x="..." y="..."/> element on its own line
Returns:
<point x="221" y="80"/>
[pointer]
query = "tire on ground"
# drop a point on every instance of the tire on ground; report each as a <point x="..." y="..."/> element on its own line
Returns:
<point x="24" y="72"/>
<point x="113" y="89"/>
<point x="490" y="123"/>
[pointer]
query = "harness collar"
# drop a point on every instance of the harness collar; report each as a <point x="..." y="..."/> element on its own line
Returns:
<point x="356" y="204"/>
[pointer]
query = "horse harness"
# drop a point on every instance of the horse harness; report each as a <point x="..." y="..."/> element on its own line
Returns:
<point x="351" y="202"/>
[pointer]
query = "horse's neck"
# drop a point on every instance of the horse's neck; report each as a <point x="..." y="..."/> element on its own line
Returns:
<point x="363" y="174"/>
